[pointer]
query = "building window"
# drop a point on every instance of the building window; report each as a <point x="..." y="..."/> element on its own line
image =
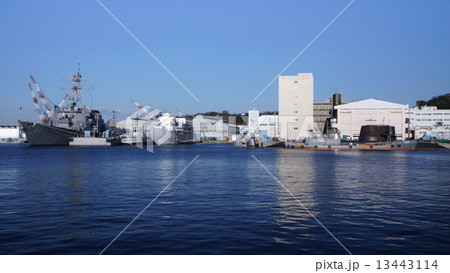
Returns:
<point x="295" y="112"/>
<point x="295" y="128"/>
<point x="295" y="81"/>
<point x="295" y="103"/>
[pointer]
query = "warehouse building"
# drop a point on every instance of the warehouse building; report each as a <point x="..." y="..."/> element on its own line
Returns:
<point x="351" y="116"/>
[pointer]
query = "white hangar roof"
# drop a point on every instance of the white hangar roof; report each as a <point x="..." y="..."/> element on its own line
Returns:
<point x="371" y="104"/>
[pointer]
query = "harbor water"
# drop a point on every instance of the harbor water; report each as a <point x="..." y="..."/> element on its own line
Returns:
<point x="76" y="200"/>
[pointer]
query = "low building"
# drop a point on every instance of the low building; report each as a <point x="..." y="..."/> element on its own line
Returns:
<point x="268" y="125"/>
<point x="420" y="133"/>
<point x="11" y="133"/>
<point x="137" y="123"/>
<point x="351" y="116"/>
<point x="429" y="120"/>
<point x="428" y="117"/>
<point x="213" y="127"/>
<point x="265" y="125"/>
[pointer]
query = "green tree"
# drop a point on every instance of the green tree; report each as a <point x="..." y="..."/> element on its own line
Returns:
<point x="441" y="102"/>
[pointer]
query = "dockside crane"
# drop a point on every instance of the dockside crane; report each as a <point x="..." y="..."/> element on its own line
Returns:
<point x="179" y="112"/>
<point x="41" y="95"/>
<point x="43" y="108"/>
<point x="61" y="103"/>
<point x="36" y="103"/>
<point x="146" y="111"/>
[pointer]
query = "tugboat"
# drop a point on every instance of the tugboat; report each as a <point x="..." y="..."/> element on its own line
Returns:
<point x="60" y="123"/>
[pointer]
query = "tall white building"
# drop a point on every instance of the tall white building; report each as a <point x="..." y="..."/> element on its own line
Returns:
<point x="351" y="116"/>
<point x="295" y="105"/>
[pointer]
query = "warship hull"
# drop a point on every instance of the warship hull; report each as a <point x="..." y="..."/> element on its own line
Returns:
<point x="39" y="134"/>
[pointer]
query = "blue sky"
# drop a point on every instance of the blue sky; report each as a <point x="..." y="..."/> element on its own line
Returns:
<point x="225" y="52"/>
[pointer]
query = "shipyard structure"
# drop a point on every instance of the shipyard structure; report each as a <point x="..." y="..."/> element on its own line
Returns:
<point x="300" y="116"/>
<point x="300" y="119"/>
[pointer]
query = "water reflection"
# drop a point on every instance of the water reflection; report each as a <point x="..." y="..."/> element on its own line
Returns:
<point x="335" y="186"/>
<point x="297" y="173"/>
<point x="77" y="200"/>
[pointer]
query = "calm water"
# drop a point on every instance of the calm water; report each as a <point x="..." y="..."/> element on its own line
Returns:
<point x="67" y="200"/>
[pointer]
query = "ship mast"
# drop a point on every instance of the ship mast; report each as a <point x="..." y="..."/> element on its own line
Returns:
<point x="76" y="88"/>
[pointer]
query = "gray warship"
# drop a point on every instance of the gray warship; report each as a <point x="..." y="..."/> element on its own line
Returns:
<point x="63" y="121"/>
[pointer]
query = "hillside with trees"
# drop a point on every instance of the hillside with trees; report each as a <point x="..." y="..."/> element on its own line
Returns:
<point x="441" y="102"/>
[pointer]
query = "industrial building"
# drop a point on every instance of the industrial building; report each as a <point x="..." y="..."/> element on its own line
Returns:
<point x="429" y="120"/>
<point x="323" y="110"/>
<point x="213" y="127"/>
<point x="428" y="117"/>
<point x="11" y="134"/>
<point x="351" y="116"/>
<point x="265" y="125"/>
<point x="295" y="105"/>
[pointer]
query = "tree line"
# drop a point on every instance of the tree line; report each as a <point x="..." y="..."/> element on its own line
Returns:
<point x="441" y="102"/>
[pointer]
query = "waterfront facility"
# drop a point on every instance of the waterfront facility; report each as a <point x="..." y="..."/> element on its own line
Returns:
<point x="265" y="125"/>
<point x="428" y="120"/>
<point x="351" y="116"/>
